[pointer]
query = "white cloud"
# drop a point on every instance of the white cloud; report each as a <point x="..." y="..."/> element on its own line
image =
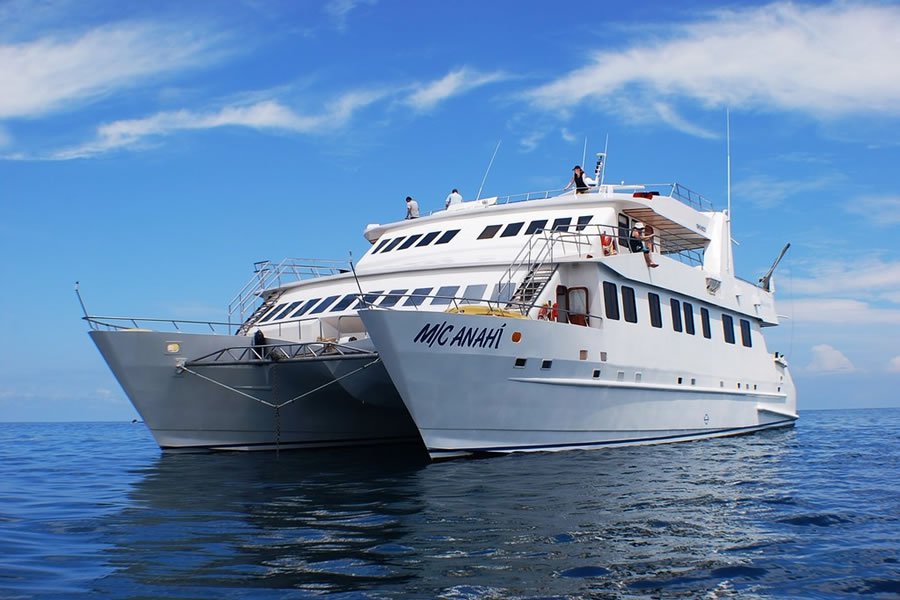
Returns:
<point x="870" y="278"/>
<point x="764" y="191"/>
<point x="452" y="84"/>
<point x="880" y="211"/>
<point x="50" y="73"/>
<point x="840" y="312"/>
<point x="339" y="10"/>
<point x="894" y="365"/>
<point x="263" y="115"/>
<point x="829" y="360"/>
<point x="830" y="60"/>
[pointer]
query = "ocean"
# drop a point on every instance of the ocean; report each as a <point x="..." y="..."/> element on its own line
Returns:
<point x="95" y="510"/>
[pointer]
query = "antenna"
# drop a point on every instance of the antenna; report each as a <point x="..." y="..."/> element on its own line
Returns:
<point x="478" y="197"/>
<point x="584" y="151"/>
<point x="730" y="262"/>
<point x="362" y="297"/>
<point x="766" y="280"/>
<point x="605" y="155"/>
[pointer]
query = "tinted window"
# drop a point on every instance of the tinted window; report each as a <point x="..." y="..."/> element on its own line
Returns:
<point x="503" y="292"/>
<point x="728" y="328"/>
<point x="473" y="294"/>
<point x="689" y="318"/>
<point x="628" y="305"/>
<point x="676" y="314"/>
<point x="392" y="245"/>
<point x="704" y="322"/>
<point x="535" y="226"/>
<point x="445" y="295"/>
<point x="273" y="312"/>
<point x="583" y="221"/>
<point x="447" y="236"/>
<point x="611" y="300"/>
<point x="302" y="310"/>
<point x="324" y="304"/>
<point x="512" y="229"/>
<point x="489" y="232"/>
<point x="289" y="308"/>
<point x="417" y="297"/>
<point x="655" y="312"/>
<point x="344" y="303"/>
<point x="392" y="298"/>
<point x="409" y="241"/>
<point x="427" y="238"/>
<point x="562" y="224"/>
<point x="367" y="299"/>
<point x="380" y="245"/>
<point x="745" y="333"/>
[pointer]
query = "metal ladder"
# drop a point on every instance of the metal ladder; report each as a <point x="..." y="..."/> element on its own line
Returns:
<point x="536" y="259"/>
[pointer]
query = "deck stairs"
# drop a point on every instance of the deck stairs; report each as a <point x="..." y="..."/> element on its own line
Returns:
<point x="532" y="269"/>
<point x="257" y="314"/>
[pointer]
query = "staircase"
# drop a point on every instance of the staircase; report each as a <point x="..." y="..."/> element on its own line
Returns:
<point x="531" y="287"/>
<point x="536" y="260"/>
<point x="269" y="302"/>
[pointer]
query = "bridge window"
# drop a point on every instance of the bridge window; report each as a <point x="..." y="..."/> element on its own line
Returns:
<point x="273" y="312"/>
<point x="583" y="222"/>
<point x="512" y="229"/>
<point x="417" y="297"/>
<point x="689" y="318"/>
<point x="449" y="235"/>
<point x="745" y="333"/>
<point x="473" y="294"/>
<point x="536" y="226"/>
<point x="655" y="312"/>
<point x="324" y="304"/>
<point x="409" y="241"/>
<point x="367" y="299"/>
<point x="489" y="232"/>
<point x="289" y="308"/>
<point x="611" y="300"/>
<point x="445" y="295"/>
<point x="704" y="322"/>
<point x="503" y="292"/>
<point x="302" y="310"/>
<point x="381" y="244"/>
<point x="728" y="328"/>
<point x="427" y="238"/>
<point x="393" y="244"/>
<point x="344" y="303"/>
<point x="392" y="298"/>
<point x="562" y="224"/>
<point x="628" y="304"/>
<point x="676" y="314"/>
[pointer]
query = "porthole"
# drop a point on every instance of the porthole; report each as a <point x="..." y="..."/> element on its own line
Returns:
<point x="520" y="363"/>
<point x="596" y="374"/>
<point x="546" y="364"/>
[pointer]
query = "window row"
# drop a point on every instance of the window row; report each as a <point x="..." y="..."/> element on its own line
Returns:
<point x="512" y="229"/>
<point x="444" y="296"/>
<point x="682" y="314"/>
<point x="403" y="242"/>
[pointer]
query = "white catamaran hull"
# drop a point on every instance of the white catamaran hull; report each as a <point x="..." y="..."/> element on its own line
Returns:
<point x="458" y="376"/>
<point x="228" y="404"/>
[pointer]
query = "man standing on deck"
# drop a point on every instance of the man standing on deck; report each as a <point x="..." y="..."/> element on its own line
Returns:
<point x="412" y="208"/>
<point x="453" y="197"/>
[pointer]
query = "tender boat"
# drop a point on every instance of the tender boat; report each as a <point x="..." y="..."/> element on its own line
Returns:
<point x="602" y="344"/>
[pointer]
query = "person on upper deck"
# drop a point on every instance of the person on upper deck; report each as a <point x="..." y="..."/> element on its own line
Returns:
<point x="453" y="197"/>
<point x="641" y="242"/>
<point x="580" y="180"/>
<point x="412" y="208"/>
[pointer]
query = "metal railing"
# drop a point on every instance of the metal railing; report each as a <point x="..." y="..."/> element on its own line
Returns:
<point x="177" y="325"/>
<point x="267" y="275"/>
<point x="278" y="352"/>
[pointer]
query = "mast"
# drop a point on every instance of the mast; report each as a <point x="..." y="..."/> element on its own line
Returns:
<point x="729" y="254"/>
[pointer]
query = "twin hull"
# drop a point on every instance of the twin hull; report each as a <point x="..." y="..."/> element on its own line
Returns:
<point x="538" y="385"/>
<point x="221" y="406"/>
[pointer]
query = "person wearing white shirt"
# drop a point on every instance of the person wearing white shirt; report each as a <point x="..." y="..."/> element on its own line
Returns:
<point x="412" y="208"/>
<point x="453" y="197"/>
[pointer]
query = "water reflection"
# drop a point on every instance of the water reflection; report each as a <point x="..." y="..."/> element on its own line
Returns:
<point x="634" y="521"/>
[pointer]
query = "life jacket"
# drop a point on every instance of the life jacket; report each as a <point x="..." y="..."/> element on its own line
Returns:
<point x="608" y="244"/>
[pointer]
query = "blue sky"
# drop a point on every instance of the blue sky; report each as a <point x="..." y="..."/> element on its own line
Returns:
<point x="154" y="151"/>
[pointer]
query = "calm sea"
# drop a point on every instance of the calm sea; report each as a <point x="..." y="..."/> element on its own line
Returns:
<point x="95" y="510"/>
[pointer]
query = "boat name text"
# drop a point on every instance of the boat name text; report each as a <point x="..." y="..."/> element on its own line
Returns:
<point x="443" y="334"/>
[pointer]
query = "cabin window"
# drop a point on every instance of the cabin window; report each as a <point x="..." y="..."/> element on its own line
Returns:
<point x="704" y="322"/>
<point x="728" y="328"/>
<point x="629" y="307"/>
<point x="273" y="312"/>
<point x="417" y="297"/>
<point x="676" y="314"/>
<point x="536" y="226"/>
<point x="689" y="318"/>
<point x="289" y="308"/>
<point x="655" y="312"/>
<point x="512" y="229"/>
<point x="520" y="363"/>
<point x="546" y="363"/>
<point x="578" y="306"/>
<point x="427" y="238"/>
<point x="447" y="236"/>
<point x="302" y="310"/>
<point x="344" y="303"/>
<point x="445" y="295"/>
<point x="745" y="333"/>
<point x="381" y="244"/>
<point x="624" y="230"/>
<point x="561" y="224"/>
<point x="562" y="304"/>
<point x="489" y="232"/>
<point x="394" y="243"/>
<point x="503" y="292"/>
<point x="409" y="241"/>
<point x="473" y="294"/>
<point x="611" y="300"/>
<point x="392" y="298"/>
<point x="367" y="299"/>
<point x="583" y="222"/>
<point x="323" y="306"/>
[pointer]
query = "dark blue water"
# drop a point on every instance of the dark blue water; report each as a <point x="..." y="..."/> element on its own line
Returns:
<point x="95" y="510"/>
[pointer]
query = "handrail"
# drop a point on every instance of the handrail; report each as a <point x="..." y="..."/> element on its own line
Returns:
<point x="277" y="352"/>
<point x="101" y="322"/>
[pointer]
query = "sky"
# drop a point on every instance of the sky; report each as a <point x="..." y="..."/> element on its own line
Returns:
<point x="153" y="151"/>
